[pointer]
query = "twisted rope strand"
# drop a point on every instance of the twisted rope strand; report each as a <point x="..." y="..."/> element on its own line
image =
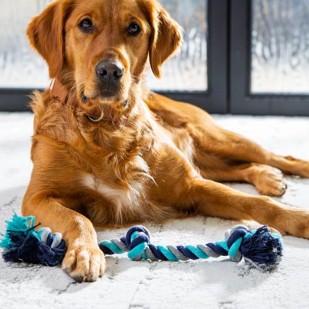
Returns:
<point x="267" y="247"/>
<point x="22" y="242"/>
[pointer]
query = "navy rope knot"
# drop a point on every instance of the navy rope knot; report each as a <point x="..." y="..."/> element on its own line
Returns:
<point x="263" y="247"/>
<point x="259" y="246"/>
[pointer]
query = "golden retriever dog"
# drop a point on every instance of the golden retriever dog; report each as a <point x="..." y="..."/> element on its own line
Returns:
<point x="108" y="152"/>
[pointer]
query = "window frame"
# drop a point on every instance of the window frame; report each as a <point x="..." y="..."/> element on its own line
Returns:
<point x="15" y="99"/>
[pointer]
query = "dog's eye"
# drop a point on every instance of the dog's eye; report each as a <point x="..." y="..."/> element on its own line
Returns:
<point x="134" y="29"/>
<point x="86" y="25"/>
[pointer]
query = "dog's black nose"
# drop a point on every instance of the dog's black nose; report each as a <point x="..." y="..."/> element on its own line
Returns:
<point x="109" y="70"/>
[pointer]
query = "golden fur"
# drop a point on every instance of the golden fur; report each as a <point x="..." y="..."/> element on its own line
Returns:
<point x="149" y="158"/>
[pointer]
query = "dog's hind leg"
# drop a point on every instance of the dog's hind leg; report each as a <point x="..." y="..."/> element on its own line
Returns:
<point x="234" y="149"/>
<point x="217" y="200"/>
<point x="266" y="179"/>
<point x="211" y="139"/>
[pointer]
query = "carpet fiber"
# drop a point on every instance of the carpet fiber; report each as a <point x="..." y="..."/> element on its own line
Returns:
<point x="192" y="284"/>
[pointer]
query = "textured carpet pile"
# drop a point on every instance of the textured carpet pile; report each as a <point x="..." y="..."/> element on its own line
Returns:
<point x="193" y="284"/>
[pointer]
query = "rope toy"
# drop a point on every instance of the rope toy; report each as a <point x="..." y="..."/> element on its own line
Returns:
<point x="23" y="243"/>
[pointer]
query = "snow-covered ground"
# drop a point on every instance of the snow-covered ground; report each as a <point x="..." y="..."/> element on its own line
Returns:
<point x="127" y="284"/>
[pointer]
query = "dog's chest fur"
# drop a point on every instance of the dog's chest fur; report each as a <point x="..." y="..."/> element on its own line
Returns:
<point x="123" y="187"/>
<point x="121" y="175"/>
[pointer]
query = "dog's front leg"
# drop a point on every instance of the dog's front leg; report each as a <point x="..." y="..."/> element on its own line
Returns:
<point x="84" y="261"/>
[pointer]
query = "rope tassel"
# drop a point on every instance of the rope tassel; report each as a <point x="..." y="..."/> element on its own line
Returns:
<point x="23" y="243"/>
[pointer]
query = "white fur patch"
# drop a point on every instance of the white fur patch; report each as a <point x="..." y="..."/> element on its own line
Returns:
<point x="119" y="197"/>
<point x="141" y="164"/>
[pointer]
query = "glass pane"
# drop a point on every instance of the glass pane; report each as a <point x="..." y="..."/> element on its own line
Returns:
<point x="188" y="70"/>
<point x="20" y="67"/>
<point x="280" y="47"/>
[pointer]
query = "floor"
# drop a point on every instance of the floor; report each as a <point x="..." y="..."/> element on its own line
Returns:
<point x="194" y="284"/>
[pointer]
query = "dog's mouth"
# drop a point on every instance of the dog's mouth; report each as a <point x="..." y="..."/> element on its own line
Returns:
<point x="97" y="109"/>
<point x="99" y="99"/>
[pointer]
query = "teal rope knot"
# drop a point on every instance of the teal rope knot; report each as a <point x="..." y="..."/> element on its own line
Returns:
<point x="138" y="240"/>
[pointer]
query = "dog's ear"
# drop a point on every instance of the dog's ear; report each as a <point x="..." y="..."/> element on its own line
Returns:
<point x="166" y="38"/>
<point x="46" y="34"/>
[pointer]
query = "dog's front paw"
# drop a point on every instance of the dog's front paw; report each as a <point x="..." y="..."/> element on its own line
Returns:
<point x="84" y="263"/>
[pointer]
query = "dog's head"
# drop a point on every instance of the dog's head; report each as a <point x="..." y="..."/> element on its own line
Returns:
<point x="101" y="46"/>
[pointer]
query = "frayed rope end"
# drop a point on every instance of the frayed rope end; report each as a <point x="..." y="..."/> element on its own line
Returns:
<point x="22" y="243"/>
<point x="263" y="248"/>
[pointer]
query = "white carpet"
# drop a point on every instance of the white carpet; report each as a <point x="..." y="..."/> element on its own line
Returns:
<point x="126" y="284"/>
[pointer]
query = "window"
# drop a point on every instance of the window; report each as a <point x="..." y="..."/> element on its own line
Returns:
<point x="240" y="56"/>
